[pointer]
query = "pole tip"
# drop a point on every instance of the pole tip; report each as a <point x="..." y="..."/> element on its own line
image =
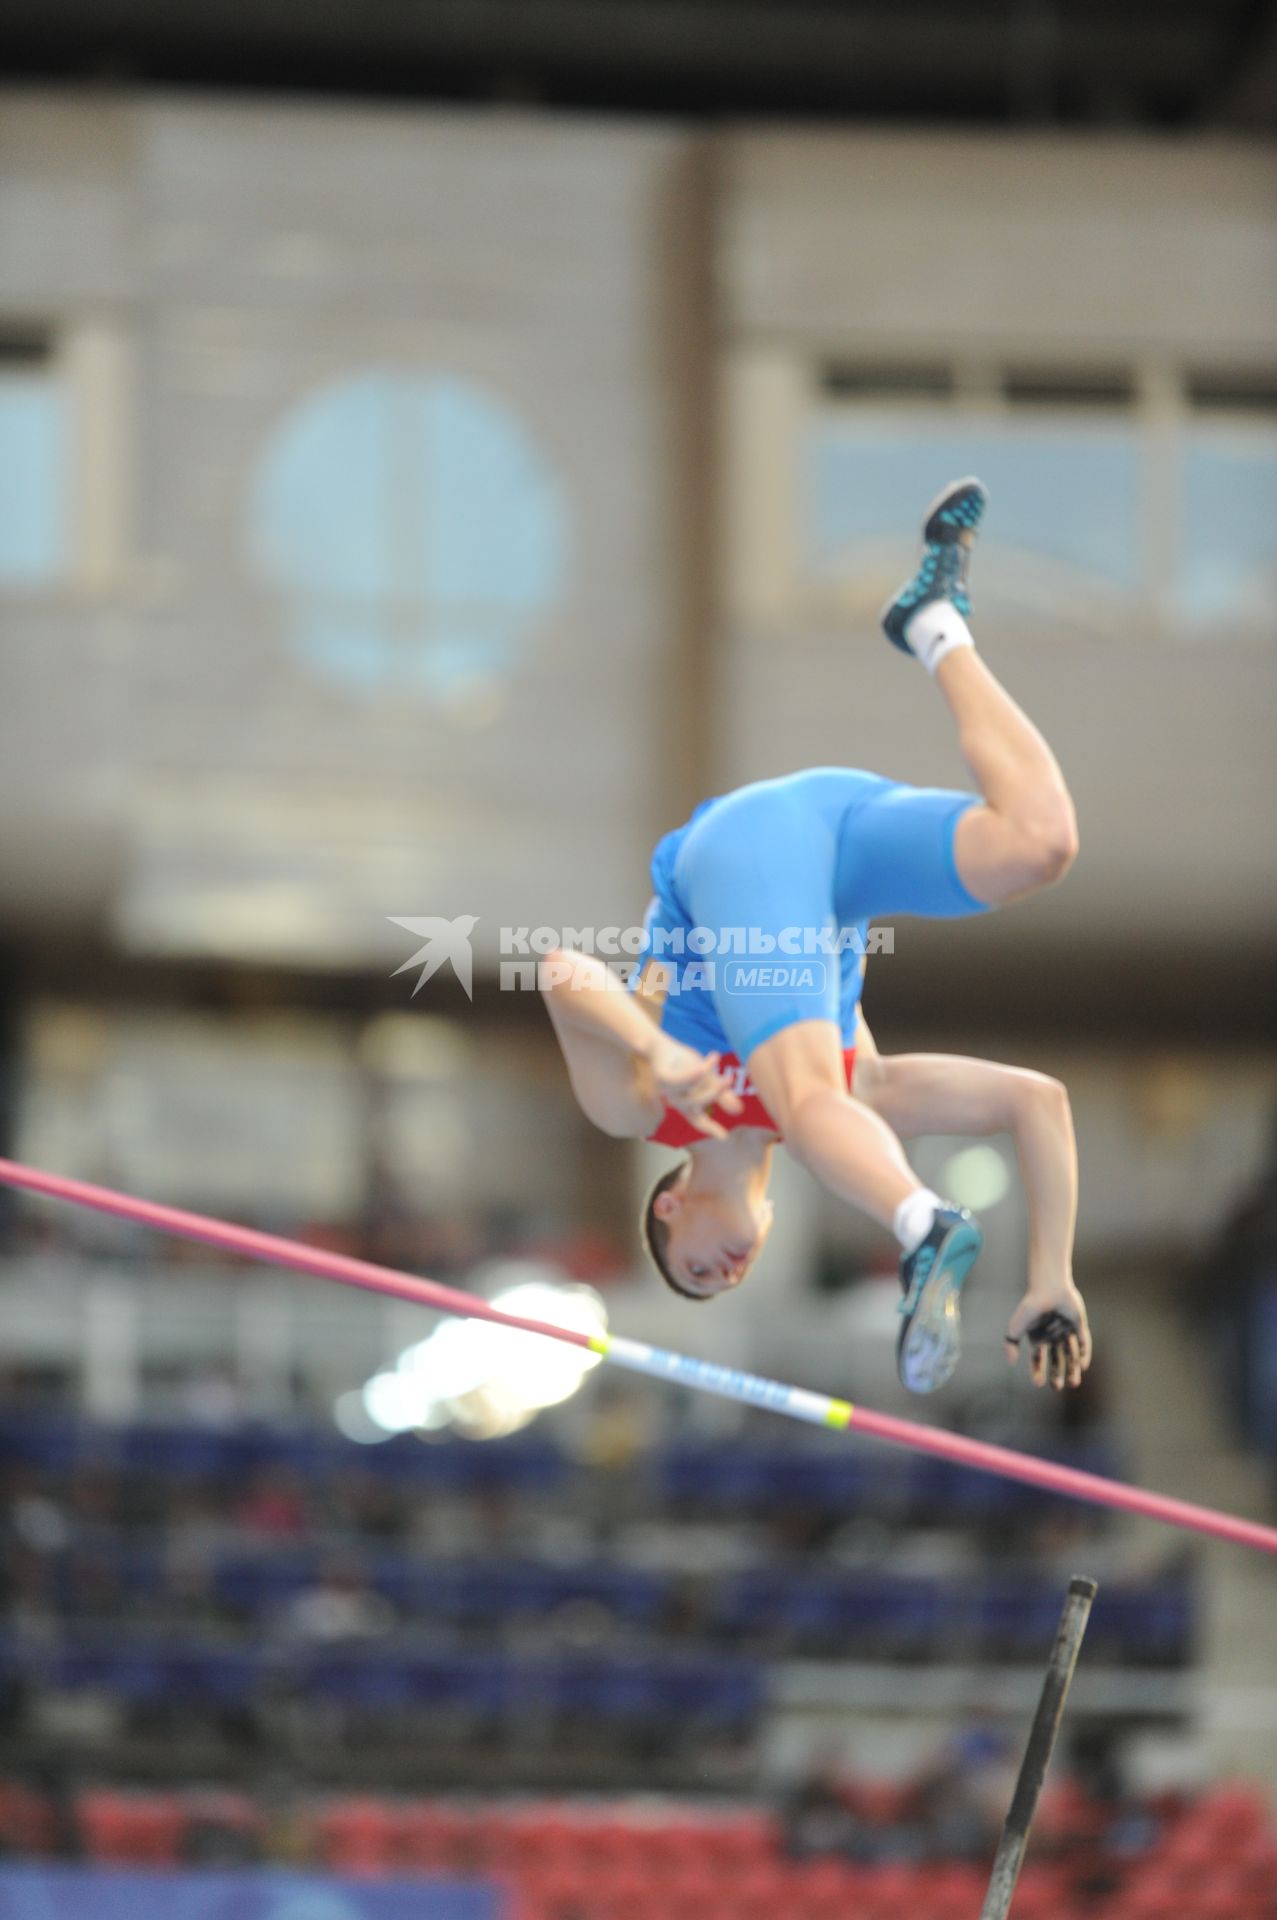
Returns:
<point x="1083" y="1587"/>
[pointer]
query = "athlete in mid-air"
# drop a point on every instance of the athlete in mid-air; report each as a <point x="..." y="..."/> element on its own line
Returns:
<point x="742" y="1024"/>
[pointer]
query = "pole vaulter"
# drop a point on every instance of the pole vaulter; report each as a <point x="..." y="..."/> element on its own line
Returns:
<point x="705" y="1376"/>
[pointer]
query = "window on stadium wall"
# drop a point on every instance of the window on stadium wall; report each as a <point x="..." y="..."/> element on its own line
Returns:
<point x="1120" y="507"/>
<point x="35" y="431"/>
<point x="414" y="533"/>
<point x="284" y="1115"/>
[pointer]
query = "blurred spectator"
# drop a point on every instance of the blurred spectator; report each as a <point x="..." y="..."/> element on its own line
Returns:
<point x="36" y="1520"/>
<point x="1228" y="1294"/>
<point x="30" y="1603"/>
<point x="273" y="1508"/>
<point x="339" y="1606"/>
<point x="93" y="1500"/>
<point x="964" y="1796"/>
<point x="212" y="1398"/>
<point x="223" y="1830"/>
<point x="360" y="1503"/>
<point x="94" y="1590"/>
<point x="818" y="1818"/>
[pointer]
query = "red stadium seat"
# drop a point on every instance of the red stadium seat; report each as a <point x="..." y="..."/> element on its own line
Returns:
<point x="540" y="1835"/>
<point x="742" y="1840"/>
<point x="131" y="1829"/>
<point x="523" y="1904"/>
<point x="762" y="1892"/>
<point x="1232" y="1810"/>
<point x="679" y="1847"/>
<point x="556" y="1889"/>
<point x="1148" y="1904"/>
<point x="436" y="1834"/>
<point x="825" y="1883"/>
<point x="1036" y="1900"/>
<point x="689" y="1891"/>
<point x="358" y="1836"/>
<point x="622" y="1894"/>
<point x="28" y="1825"/>
<point x="492" y="1840"/>
<point x="605" y="1845"/>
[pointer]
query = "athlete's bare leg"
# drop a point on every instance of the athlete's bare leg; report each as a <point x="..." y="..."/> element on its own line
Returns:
<point x="849" y="1148"/>
<point x="1023" y="837"/>
<point x="1025" y="834"/>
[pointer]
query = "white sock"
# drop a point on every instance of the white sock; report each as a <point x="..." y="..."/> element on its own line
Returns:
<point x="935" y="631"/>
<point x="914" y="1218"/>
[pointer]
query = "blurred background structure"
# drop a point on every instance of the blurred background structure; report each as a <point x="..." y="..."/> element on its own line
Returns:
<point x="438" y="445"/>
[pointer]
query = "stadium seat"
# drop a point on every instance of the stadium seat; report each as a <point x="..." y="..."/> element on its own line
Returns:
<point x="359" y="1836"/>
<point x="539" y="1838"/>
<point x="131" y="1829"/>
<point x="824" y="1885"/>
<point x="742" y="1841"/>
<point x="28" y="1823"/>
<point x="679" y="1849"/>
<point x="436" y="1836"/>
<point x="224" y="1828"/>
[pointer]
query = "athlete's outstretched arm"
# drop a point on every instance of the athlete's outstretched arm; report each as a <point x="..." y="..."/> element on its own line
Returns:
<point x="623" y="1069"/>
<point x="946" y="1093"/>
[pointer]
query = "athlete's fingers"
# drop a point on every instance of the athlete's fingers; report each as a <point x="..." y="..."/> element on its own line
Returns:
<point x="690" y="1093"/>
<point x="701" y="1079"/>
<point x="714" y="1092"/>
<point x="1085" y="1343"/>
<point x="701" y="1119"/>
<point x="723" y="1094"/>
<point x="702" y="1093"/>
<point x="1059" y="1364"/>
<point x="695" y="1093"/>
<point x="1075" y="1361"/>
<point x="727" y="1096"/>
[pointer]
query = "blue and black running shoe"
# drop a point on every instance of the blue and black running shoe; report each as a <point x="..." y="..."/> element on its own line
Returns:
<point x="931" y="1315"/>
<point x="948" y="537"/>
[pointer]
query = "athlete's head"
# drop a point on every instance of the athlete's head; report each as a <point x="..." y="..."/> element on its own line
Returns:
<point x="704" y="1239"/>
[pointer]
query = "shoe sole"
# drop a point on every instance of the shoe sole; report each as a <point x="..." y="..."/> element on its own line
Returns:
<point x="930" y="1343"/>
<point x="946" y="494"/>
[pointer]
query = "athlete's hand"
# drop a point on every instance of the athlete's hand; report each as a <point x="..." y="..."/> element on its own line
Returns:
<point x="692" y="1083"/>
<point x="1051" y="1322"/>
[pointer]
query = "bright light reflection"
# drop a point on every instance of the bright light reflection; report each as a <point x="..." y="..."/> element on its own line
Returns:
<point x="976" y="1177"/>
<point x="486" y="1380"/>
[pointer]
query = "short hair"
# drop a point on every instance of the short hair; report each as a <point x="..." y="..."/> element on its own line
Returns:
<point x="656" y="1235"/>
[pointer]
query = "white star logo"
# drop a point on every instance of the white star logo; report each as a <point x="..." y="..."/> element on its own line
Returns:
<point x="445" y="940"/>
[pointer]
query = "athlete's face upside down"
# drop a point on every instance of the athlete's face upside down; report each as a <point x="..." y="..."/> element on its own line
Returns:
<point x="713" y="1231"/>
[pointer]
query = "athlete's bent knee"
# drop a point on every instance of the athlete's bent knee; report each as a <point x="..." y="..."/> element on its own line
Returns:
<point x="1001" y="856"/>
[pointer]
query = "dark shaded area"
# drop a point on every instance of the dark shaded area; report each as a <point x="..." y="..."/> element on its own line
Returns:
<point x="1182" y="63"/>
<point x="940" y="983"/>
